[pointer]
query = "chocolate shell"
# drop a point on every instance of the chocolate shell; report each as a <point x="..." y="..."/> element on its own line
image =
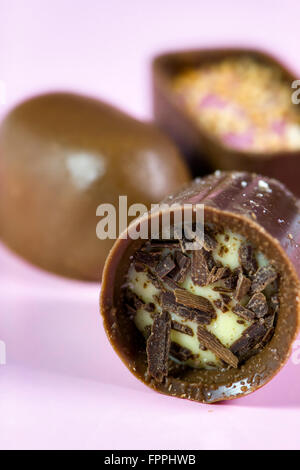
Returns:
<point x="203" y="151"/>
<point x="61" y="155"/>
<point x="267" y="215"/>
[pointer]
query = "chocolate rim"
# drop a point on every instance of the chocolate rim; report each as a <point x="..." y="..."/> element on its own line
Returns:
<point x="194" y="141"/>
<point x="209" y="385"/>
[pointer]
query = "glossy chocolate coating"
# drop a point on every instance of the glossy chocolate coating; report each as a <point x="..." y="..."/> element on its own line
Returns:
<point x="61" y="155"/>
<point x="266" y="214"/>
<point x="201" y="149"/>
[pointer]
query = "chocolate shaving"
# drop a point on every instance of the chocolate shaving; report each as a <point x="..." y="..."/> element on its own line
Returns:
<point x="258" y="305"/>
<point x="231" y="281"/>
<point x="182" y="328"/>
<point x="158" y="346"/>
<point x="168" y="302"/>
<point x="249" y="339"/>
<point x="209" y="242"/>
<point x="222" y="289"/>
<point x="200" y="272"/>
<point x="155" y="280"/>
<point x="243" y="312"/>
<point x="263" y="277"/>
<point x="242" y="287"/>
<point x="247" y="258"/>
<point x="221" y="305"/>
<point x="198" y="316"/>
<point x="180" y="353"/>
<point x="212" y="343"/>
<point x="217" y="273"/>
<point x="194" y="301"/>
<point x="148" y="258"/>
<point x="183" y="265"/>
<point x="225" y="298"/>
<point x="170" y="283"/>
<point x="210" y="260"/>
<point x="165" y="266"/>
<point x="191" y="234"/>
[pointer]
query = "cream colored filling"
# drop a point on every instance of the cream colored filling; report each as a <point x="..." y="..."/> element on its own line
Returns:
<point x="226" y="327"/>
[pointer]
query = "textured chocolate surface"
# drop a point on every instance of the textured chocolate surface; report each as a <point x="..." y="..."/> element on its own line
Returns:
<point x="202" y="151"/>
<point x="270" y="223"/>
<point x="208" y="340"/>
<point x="61" y="156"/>
<point x="158" y="346"/>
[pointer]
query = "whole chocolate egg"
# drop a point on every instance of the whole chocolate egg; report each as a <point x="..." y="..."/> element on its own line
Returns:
<point x="61" y="156"/>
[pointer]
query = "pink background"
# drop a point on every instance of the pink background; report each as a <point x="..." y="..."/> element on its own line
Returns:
<point x="63" y="387"/>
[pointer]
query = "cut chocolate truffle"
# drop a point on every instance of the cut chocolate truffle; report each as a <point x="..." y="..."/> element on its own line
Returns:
<point x="208" y="337"/>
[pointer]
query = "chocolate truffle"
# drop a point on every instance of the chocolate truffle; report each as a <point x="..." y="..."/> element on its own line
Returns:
<point x="62" y="155"/>
<point x="230" y="109"/>
<point x="210" y="311"/>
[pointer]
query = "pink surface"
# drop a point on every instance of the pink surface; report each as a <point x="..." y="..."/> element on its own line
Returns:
<point x="63" y="387"/>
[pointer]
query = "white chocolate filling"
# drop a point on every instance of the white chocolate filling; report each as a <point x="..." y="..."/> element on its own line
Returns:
<point x="227" y="326"/>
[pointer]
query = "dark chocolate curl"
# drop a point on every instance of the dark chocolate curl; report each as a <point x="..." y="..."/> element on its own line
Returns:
<point x="200" y="272"/>
<point x="212" y="343"/>
<point x="250" y="338"/>
<point x="165" y="266"/>
<point x="158" y="346"/>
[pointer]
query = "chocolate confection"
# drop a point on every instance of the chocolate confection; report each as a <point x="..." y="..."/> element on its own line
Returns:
<point x="62" y="155"/>
<point x="230" y="109"/>
<point x="216" y="320"/>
